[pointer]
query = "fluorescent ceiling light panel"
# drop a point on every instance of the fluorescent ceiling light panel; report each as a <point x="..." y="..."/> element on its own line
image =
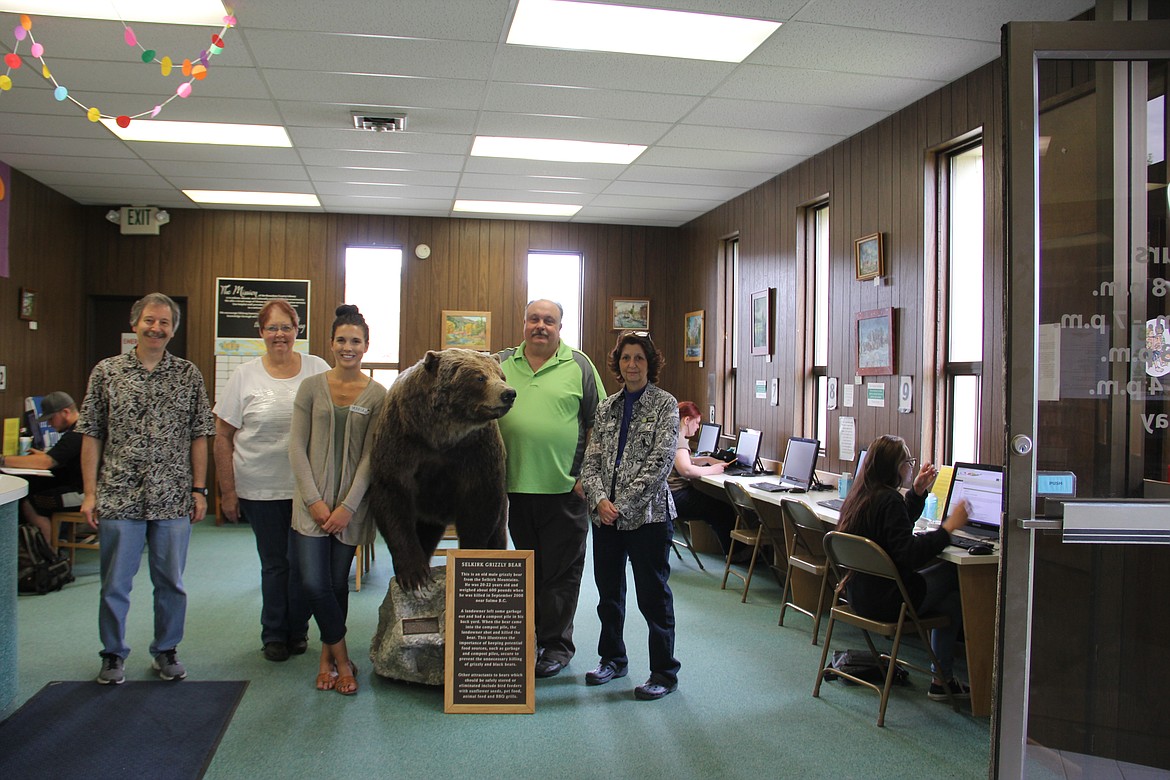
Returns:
<point x="240" y="198"/>
<point x="561" y="24"/>
<point x="509" y="207"/>
<point x="203" y="12"/>
<point x="165" y="131"/>
<point x="555" y="149"/>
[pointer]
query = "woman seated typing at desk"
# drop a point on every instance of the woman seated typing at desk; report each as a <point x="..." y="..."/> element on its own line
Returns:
<point x="877" y="510"/>
<point x="690" y="502"/>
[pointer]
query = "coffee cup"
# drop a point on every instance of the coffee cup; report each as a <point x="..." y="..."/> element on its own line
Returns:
<point x="25" y="445"/>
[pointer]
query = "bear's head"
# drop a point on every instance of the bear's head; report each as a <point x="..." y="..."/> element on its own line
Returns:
<point x="469" y="385"/>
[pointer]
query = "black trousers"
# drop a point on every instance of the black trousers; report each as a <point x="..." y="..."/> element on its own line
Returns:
<point x="555" y="527"/>
<point x="648" y="550"/>
<point x="692" y="503"/>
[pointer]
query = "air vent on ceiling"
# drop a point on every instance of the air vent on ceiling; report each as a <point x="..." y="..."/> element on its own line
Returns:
<point x="388" y="123"/>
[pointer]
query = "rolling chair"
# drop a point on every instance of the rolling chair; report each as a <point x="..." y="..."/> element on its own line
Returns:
<point x="848" y="553"/>
<point x="747" y="531"/>
<point x="805" y="534"/>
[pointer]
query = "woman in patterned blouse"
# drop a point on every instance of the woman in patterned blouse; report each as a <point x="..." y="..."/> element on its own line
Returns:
<point x="624" y="476"/>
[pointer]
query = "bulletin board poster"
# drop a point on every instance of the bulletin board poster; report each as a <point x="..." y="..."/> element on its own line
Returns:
<point x="239" y="301"/>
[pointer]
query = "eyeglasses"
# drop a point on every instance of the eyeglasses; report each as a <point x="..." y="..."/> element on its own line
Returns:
<point x="279" y="329"/>
<point x="912" y="461"/>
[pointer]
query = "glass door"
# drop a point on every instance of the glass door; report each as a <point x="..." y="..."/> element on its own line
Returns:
<point x="1085" y="616"/>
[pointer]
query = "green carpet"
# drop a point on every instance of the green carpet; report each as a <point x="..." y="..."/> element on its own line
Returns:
<point x="743" y="708"/>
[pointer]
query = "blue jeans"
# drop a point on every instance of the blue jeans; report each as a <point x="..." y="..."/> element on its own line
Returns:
<point x="325" y="562"/>
<point x="121" y="555"/>
<point x="284" y="613"/>
<point x="942" y="596"/>
<point x="647" y="548"/>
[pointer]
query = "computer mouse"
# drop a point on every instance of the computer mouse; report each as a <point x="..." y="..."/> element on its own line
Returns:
<point x="980" y="549"/>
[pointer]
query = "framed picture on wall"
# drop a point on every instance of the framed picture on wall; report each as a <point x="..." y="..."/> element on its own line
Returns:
<point x="630" y="313"/>
<point x="693" y="337"/>
<point x="27" y="304"/>
<point x="762" y="322"/>
<point x="867" y="252"/>
<point x="467" y="330"/>
<point x="875" y="342"/>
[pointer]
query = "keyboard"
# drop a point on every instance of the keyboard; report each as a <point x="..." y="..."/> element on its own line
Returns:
<point x="770" y="487"/>
<point x="966" y="542"/>
<point x="738" y="471"/>
<point x="833" y="503"/>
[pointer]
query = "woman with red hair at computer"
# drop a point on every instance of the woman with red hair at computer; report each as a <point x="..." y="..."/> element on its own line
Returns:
<point x="689" y="501"/>
<point x="877" y="510"/>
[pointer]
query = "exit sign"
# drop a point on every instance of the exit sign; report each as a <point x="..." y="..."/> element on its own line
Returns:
<point x="139" y="221"/>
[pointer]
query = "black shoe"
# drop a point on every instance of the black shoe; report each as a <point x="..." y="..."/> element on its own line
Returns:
<point x="547" y="667"/>
<point x="605" y="671"/>
<point x="298" y="645"/>
<point x="651" y="690"/>
<point x="276" y="651"/>
<point x="939" y="693"/>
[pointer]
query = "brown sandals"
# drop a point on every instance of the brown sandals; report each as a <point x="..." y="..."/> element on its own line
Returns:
<point x="327" y="681"/>
<point x="346" y="684"/>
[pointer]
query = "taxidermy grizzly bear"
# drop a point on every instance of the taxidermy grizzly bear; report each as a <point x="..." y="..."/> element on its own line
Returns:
<point x="438" y="458"/>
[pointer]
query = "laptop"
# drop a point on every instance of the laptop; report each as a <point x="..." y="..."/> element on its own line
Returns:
<point x="836" y="503"/>
<point x="982" y="486"/>
<point x="708" y="438"/>
<point x="747" y="451"/>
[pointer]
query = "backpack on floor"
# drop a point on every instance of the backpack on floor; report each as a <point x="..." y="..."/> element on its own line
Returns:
<point x="861" y="663"/>
<point x="39" y="569"/>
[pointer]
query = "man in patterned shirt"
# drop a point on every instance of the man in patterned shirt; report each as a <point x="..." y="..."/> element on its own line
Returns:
<point x="145" y="422"/>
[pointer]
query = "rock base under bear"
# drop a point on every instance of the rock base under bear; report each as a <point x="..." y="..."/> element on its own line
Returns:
<point x="415" y="654"/>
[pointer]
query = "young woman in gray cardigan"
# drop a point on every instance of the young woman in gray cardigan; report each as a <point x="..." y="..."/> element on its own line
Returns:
<point x="329" y="449"/>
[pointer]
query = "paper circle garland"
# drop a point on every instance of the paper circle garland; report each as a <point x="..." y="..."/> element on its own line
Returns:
<point x="197" y="71"/>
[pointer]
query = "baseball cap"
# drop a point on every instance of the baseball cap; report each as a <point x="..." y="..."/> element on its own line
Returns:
<point x="53" y="403"/>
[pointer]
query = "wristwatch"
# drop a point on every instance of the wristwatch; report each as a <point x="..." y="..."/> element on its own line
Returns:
<point x="200" y="491"/>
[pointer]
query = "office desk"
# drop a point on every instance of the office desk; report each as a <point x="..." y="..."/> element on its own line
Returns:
<point x="978" y="575"/>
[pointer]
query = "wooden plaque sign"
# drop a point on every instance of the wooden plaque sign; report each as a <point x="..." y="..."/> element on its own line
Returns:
<point x="491" y="632"/>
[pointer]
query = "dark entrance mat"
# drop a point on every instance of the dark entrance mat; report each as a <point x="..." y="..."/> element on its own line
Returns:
<point x="137" y="729"/>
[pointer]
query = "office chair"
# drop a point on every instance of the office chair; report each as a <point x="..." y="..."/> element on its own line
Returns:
<point x="848" y="553"/>
<point x="746" y="531"/>
<point x="805" y="534"/>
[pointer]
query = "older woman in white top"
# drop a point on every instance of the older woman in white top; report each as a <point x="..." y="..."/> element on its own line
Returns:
<point x="253" y="416"/>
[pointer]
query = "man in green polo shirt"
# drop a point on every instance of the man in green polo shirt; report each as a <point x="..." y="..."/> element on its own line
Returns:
<point x="557" y="390"/>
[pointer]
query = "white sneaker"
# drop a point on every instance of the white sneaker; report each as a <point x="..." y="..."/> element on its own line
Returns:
<point x="168" y="666"/>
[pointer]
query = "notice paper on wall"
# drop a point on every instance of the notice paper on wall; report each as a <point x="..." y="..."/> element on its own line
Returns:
<point x="942" y="484"/>
<point x="875" y="394"/>
<point x="846" y="438"/>
<point x="847" y="395"/>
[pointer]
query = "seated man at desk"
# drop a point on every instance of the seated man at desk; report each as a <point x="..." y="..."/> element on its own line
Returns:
<point x="64" y="460"/>
<point x="877" y="510"/>
<point x="689" y="501"/>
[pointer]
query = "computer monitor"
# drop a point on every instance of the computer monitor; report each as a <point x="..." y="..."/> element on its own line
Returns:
<point x="982" y="486"/>
<point x="860" y="462"/>
<point x="800" y="463"/>
<point x="747" y="448"/>
<point x="708" y="438"/>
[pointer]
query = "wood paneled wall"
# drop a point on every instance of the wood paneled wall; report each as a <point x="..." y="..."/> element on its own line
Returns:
<point x="45" y="254"/>
<point x="877" y="181"/>
<point x="880" y="180"/>
<point x="475" y="264"/>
